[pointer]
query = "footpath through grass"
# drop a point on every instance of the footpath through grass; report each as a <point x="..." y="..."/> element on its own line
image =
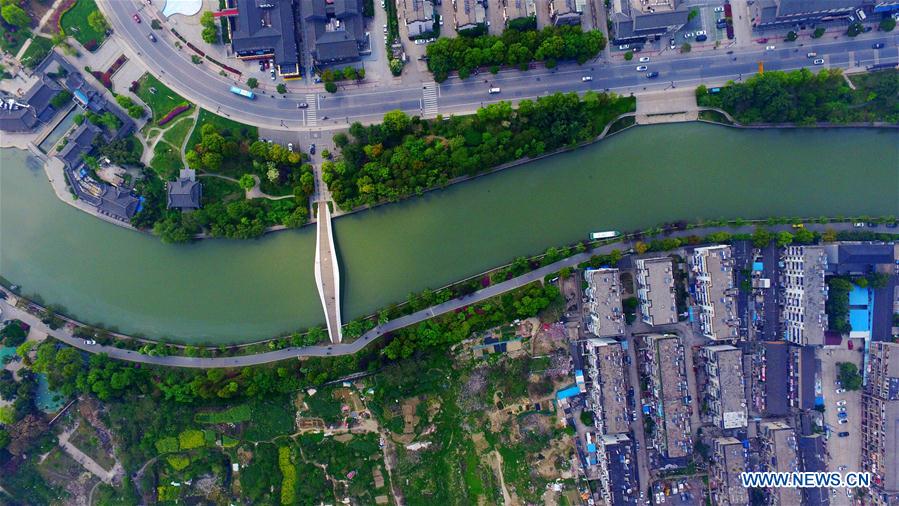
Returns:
<point x="160" y="102"/>
<point x="38" y="50"/>
<point x="74" y="23"/>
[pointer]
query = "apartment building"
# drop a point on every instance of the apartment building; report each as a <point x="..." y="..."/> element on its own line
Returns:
<point x="566" y="12"/>
<point x="638" y="20"/>
<point x="469" y="14"/>
<point x="726" y="393"/>
<point x="712" y="272"/>
<point x="666" y="368"/>
<point x="804" y="294"/>
<point x="604" y="315"/>
<point x="515" y="9"/>
<point x="880" y="421"/>
<point x="778" y="453"/>
<point x="618" y="469"/>
<point x="655" y="289"/>
<point x="418" y="16"/>
<point x="728" y="461"/>
<point x="608" y="385"/>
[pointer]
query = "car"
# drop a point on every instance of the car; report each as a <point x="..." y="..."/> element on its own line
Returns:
<point x="672" y="46"/>
<point x="385" y="29"/>
<point x="811" y="55"/>
<point x="624" y="46"/>
<point x="700" y="32"/>
<point x="261" y="65"/>
<point x="841" y="409"/>
<point x="652" y="75"/>
<point x="641" y="68"/>
<point x="637" y="49"/>
<point x="858" y="224"/>
<point x="721" y="23"/>
<point x="843" y="434"/>
<point x="494" y="91"/>
<point x="688" y="35"/>
<point x="312" y="149"/>
<point x="136" y="18"/>
<point x="644" y="59"/>
<point x="849" y="344"/>
<point x="586" y="79"/>
<point x="718" y="9"/>
<point x="842" y="415"/>
<point x="770" y="48"/>
<point x="702" y="38"/>
<point x="90" y="342"/>
<point x="290" y="147"/>
<point x="302" y="105"/>
<point x="892" y="224"/>
<point x="841" y="402"/>
<point x="270" y="141"/>
<point x="151" y="37"/>
<point x="841" y="468"/>
<point x="840" y="391"/>
<point x="819" y="61"/>
<point x="842" y="421"/>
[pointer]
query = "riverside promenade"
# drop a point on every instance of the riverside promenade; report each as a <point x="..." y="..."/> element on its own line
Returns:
<point x="65" y="334"/>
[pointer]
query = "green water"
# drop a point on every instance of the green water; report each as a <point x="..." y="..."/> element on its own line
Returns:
<point x="228" y="291"/>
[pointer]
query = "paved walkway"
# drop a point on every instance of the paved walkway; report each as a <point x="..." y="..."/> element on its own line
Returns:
<point x="88" y="463"/>
<point x="66" y="336"/>
<point x="667" y="106"/>
<point x="327" y="272"/>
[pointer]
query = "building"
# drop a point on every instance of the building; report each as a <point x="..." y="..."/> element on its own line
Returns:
<point x="712" y="270"/>
<point x="726" y="388"/>
<point x="655" y="289"/>
<point x="605" y="318"/>
<point x="566" y="12"/>
<point x="469" y="14"/>
<point x="80" y="143"/>
<point x="784" y="13"/>
<point x="118" y="203"/>
<point x="812" y="457"/>
<point x="618" y="469"/>
<point x="419" y="17"/>
<point x="804" y="294"/>
<point x="608" y="386"/>
<point x="778" y="453"/>
<point x="666" y="368"/>
<point x="335" y="29"/>
<point x="266" y="30"/>
<point x="858" y="259"/>
<point x="185" y="192"/>
<point x="728" y="462"/>
<point x="33" y="109"/>
<point x="638" y="20"/>
<point x="880" y="421"/>
<point x="515" y="9"/>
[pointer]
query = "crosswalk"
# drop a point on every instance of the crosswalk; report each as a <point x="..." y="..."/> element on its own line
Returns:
<point x="312" y="110"/>
<point x="429" y="99"/>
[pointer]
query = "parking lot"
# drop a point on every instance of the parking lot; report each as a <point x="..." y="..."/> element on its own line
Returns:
<point x="842" y="451"/>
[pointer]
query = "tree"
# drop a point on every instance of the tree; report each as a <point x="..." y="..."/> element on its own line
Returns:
<point x="849" y="376"/>
<point x="246" y="181"/>
<point x="210" y="32"/>
<point x="349" y="73"/>
<point x="15" y="15"/>
<point x="791" y="36"/>
<point x="252" y="83"/>
<point x="888" y="24"/>
<point x="855" y="29"/>
<point x="629" y="55"/>
<point x="61" y="99"/>
<point x="641" y="247"/>
<point x="693" y="13"/>
<point x="685" y="48"/>
<point x="784" y="239"/>
<point x="818" y="33"/>
<point x="761" y="237"/>
<point x="13" y="334"/>
<point x="282" y="88"/>
<point x="96" y="21"/>
<point x="330" y="87"/>
<point x="396" y="67"/>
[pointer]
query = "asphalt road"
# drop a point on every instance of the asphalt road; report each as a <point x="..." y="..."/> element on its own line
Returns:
<point x="9" y="312"/>
<point x="203" y="85"/>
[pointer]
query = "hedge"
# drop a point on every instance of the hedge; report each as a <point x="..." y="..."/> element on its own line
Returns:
<point x="167" y="445"/>
<point x="178" y="461"/>
<point x="289" y="471"/>
<point x="191" y="438"/>
<point x="236" y="414"/>
<point x="174" y="113"/>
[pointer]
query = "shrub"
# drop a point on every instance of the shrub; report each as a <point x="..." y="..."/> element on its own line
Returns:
<point x="191" y="438"/>
<point x="629" y="55"/>
<point x="791" y="36"/>
<point x="819" y="32"/>
<point x="289" y="472"/>
<point x="888" y="24"/>
<point x="167" y="445"/>
<point x="330" y="87"/>
<point x="174" y="113"/>
<point x="178" y="462"/>
<point x="236" y="414"/>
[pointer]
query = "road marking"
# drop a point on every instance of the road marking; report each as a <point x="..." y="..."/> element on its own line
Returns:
<point x="312" y="110"/>
<point x="429" y="99"/>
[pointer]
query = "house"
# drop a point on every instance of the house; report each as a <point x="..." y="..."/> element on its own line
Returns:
<point x="266" y="29"/>
<point x="637" y="20"/>
<point x="419" y="17"/>
<point x="118" y="203"/>
<point x="33" y="109"/>
<point x="566" y="12"/>
<point x="783" y="13"/>
<point x="469" y="14"/>
<point x="335" y="29"/>
<point x="80" y="143"/>
<point x="185" y="192"/>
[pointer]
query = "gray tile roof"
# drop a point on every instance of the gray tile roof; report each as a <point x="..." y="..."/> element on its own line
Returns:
<point x="185" y="192"/>
<point x="266" y="25"/>
<point x="117" y="203"/>
<point x="336" y="30"/>
<point x="80" y="143"/>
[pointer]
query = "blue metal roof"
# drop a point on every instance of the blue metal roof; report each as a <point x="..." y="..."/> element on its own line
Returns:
<point x="568" y="392"/>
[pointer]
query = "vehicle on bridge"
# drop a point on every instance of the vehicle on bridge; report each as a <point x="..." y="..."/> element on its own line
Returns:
<point x="242" y="92"/>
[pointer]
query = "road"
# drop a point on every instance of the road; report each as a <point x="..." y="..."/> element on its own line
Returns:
<point x="10" y="312"/>
<point x="456" y="96"/>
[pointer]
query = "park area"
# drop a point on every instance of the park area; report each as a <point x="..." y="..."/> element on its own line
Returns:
<point x="81" y="23"/>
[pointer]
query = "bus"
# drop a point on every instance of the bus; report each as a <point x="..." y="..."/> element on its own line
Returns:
<point x="609" y="234"/>
<point x="243" y="93"/>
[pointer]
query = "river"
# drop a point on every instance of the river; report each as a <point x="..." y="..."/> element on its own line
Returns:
<point x="219" y="291"/>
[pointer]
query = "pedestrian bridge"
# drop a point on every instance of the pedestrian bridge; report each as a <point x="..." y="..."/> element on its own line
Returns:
<point x="327" y="272"/>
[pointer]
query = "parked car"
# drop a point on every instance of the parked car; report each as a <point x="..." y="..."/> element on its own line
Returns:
<point x="843" y="415"/>
<point x="644" y="59"/>
<point x="136" y="18"/>
<point x="290" y="147"/>
<point x="688" y="35"/>
<point x="811" y="55"/>
<point x="819" y="61"/>
<point x="842" y="421"/>
<point x="841" y="409"/>
<point x="312" y="149"/>
<point x="152" y="37"/>
<point x="623" y="47"/>
<point x="843" y="434"/>
<point x="841" y="402"/>
<point x="641" y="68"/>
<point x="494" y="91"/>
<point x="858" y="224"/>
<point x="719" y="9"/>
<point x="770" y="48"/>
<point x="90" y="342"/>
<point x="701" y="38"/>
<point x="700" y="32"/>
<point x="586" y="79"/>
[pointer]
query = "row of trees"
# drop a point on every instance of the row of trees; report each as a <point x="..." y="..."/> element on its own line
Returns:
<point x="403" y="155"/>
<point x="514" y="47"/>
<point x="803" y="97"/>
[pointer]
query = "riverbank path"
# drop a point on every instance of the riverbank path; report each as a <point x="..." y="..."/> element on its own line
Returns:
<point x="327" y="271"/>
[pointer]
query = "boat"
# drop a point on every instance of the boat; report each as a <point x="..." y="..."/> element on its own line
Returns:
<point x="608" y="234"/>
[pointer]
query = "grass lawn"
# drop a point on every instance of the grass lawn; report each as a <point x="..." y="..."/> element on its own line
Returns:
<point x="38" y="50"/>
<point x="11" y="41"/>
<point x="176" y="133"/>
<point x="86" y="440"/>
<point x="223" y="126"/>
<point x="166" y="161"/>
<point x="271" y="418"/>
<point x="216" y="189"/>
<point x="161" y="102"/>
<point x="74" y="23"/>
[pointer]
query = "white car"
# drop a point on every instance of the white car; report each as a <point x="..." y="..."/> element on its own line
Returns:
<point x="290" y="147"/>
<point x="842" y="421"/>
<point x="770" y="48"/>
<point x="644" y="59"/>
<point x="819" y="61"/>
<point x="841" y="403"/>
<point x="841" y="409"/>
<point x="689" y="35"/>
<point x="718" y="9"/>
<point x="700" y="32"/>
<point x="624" y="46"/>
<point x="840" y="391"/>
<point x="641" y="68"/>
<point x="586" y="79"/>
<point x="90" y="342"/>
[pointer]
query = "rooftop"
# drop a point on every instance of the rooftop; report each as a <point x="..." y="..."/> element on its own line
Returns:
<point x="713" y="281"/>
<point x="655" y="281"/>
<point x="670" y="392"/>
<point x="726" y="385"/>
<point x="185" y="192"/>
<point x="267" y="26"/>
<point x="609" y="388"/>
<point x="336" y="29"/>
<point x="605" y="317"/>
<point x="80" y="142"/>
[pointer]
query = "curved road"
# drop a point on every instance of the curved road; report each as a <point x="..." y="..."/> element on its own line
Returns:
<point x="210" y="90"/>
<point x="10" y="312"/>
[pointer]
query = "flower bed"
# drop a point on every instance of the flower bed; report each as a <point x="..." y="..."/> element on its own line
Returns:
<point x="56" y="17"/>
<point x="106" y="77"/>
<point x="173" y="114"/>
